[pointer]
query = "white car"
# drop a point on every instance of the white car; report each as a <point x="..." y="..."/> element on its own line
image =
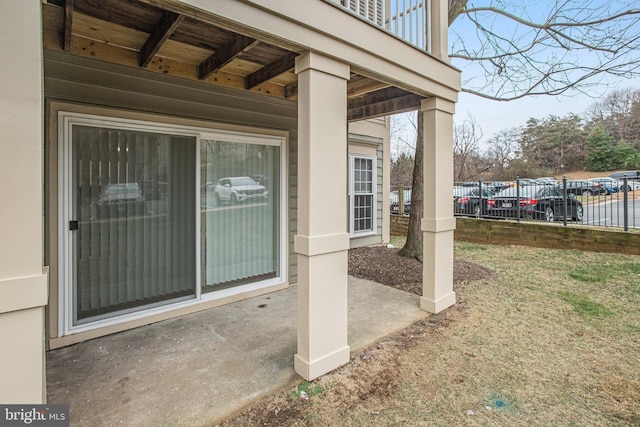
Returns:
<point x="618" y="184"/>
<point x="631" y="185"/>
<point x="238" y="189"/>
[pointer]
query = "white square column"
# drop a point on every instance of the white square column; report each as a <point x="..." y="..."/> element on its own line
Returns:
<point x="23" y="280"/>
<point x="438" y="223"/>
<point x="439" y="29"/>
<point x="322" y="241"/>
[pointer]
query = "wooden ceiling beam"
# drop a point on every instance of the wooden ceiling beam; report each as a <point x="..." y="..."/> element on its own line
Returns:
<point x="67" y="38"/>
<point x="225" y="55"/>
<point x="291" y="90"/>
<point x="384" y="107"/>
<point x="159" y="36"/>
<point x="364" y="86"/>
<point x="270" y="71"/>
<point x="381" y="95"/>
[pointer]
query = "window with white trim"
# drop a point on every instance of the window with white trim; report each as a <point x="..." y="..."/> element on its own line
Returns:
<point x="362" y="195"/>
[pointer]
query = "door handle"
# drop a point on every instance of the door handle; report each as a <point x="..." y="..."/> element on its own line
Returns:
<point x="73" y="225"/>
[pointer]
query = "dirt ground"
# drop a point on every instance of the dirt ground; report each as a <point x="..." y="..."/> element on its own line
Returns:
<point x="372" y="375"/>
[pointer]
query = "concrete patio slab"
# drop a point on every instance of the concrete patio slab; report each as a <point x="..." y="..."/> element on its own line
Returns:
<point x="201" y="368"/>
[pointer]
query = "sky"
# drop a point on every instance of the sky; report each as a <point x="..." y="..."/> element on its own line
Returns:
<point x="494" y="116"/>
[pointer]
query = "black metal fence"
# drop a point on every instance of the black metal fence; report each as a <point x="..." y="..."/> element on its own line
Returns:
<point x="602" y="202"/>
<point x="400" y="193"/>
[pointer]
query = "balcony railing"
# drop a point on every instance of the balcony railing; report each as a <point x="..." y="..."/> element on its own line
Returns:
<point x="407" y="19"/>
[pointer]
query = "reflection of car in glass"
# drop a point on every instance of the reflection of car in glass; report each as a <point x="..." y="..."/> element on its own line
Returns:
<point x="238" y="188"/>
<point x="467" y="202"/>
<point x="119" y="199"/>
<point x="544" y="202"/>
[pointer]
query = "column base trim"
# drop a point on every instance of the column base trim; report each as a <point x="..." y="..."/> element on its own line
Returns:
<point x="312" y="370"/>
<point x="439" y="305"/>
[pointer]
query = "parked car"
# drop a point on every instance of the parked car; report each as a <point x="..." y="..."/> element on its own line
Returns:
<point x="542" y="202"/>
<point x="633" y="179"/>
<point x="545" y="180"/>
<point x="628" y="174"/>
<point x="585" y="188"/>
<point x="527" y="181"/>
<point x="631" y="185"/>
<point x="610" y="185"/>
<point x="238" y="189"/>
<point x="499" y="185"/>
<point x="122" y="199"/>
<point x="467" y="200"/>
<point x="393" y="201"/>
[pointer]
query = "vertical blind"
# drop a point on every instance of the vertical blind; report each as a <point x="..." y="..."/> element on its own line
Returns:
<point x="135" y="205"/>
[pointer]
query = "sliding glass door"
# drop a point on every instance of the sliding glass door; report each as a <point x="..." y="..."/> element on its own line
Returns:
<point x="155" y="216"/>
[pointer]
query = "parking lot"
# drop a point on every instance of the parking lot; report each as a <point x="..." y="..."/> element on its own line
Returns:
<point x="601" y="202"/>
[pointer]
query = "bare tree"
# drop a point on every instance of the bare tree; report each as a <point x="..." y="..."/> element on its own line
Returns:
<point x="503" y="148"/>
<point x="617" y="114"/>
<point x="466" y="138"/>
<point x="403" y="131"/>
<point x="413" y="245"/>
<point x="402" y="169"/>
<point x="510" y="49"/>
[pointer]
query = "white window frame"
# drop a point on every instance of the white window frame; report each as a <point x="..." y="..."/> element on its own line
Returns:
<point x="353" y="194"/>
<point x="66" y="249"/>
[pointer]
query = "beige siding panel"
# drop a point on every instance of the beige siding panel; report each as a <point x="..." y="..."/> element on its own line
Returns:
<point x="78" y="79"/>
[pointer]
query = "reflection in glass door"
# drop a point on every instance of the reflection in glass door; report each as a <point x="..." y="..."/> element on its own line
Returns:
<point x="134" y="206"/>
<point x="240" y="213"/>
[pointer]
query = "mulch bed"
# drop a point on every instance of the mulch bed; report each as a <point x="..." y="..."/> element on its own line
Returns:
<point x="384" y="265"/>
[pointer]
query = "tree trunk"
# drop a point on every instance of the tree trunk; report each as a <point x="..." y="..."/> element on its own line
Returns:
<point x="455" y="8"/>
<point x="413" y="246"/>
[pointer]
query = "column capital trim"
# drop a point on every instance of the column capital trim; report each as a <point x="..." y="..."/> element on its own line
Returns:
<point x="21" y="293"/>
<point x="440" y="104"/>
<point x="318" y="62"/>
<point x="318" y="245"/>
<point x="437" y="225"/>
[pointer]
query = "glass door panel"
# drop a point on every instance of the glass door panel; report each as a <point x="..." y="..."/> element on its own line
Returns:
<point x="240" y="222"/>
<point x="134" y="201"/>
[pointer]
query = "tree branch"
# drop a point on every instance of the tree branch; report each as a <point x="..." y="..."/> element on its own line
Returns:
<point x="511" y="55"/>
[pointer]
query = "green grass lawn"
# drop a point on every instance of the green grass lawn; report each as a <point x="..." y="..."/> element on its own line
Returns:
<point x="552" y="338"/>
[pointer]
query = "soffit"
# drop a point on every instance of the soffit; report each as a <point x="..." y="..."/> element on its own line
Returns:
<point x="136" y="34"/>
